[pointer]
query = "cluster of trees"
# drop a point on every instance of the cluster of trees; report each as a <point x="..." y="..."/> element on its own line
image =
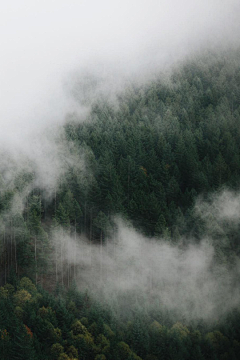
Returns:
<point x="161" y="146"/>
<point x="146" y="158"/>
<point x="70" y="325"/>
<point x="164" y="143"/>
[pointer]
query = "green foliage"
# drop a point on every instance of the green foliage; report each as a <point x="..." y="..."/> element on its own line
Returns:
<point x="38" y="332"/>
<point x="108" y="331"/>
<point x="147" y="159"/>
<point x="21" y="297"/>
<point x="19" y="312"/>
<point x="4" y="293"/>
<point x="26" y="284"/>
<point x="9" y="288"/>
<point x="178" y="140"/>
<point x="124" y="350"/>
<point x="181" y="330"/>
<point x="100" y="357"/>
<point x="63" y="356"/>
<point x="78" y="328"/>
<point x="103" y="344"/>
<point x="72" y="352"/>
<point x="56" y="350"/>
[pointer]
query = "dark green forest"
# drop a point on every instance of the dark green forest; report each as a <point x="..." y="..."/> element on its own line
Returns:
<point x="149" y="157"/>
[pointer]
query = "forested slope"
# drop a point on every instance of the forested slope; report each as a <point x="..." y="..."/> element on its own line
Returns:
<point x="70" y="325"/>
<point x="166" y="143"/>
<point x="148" y="158"/>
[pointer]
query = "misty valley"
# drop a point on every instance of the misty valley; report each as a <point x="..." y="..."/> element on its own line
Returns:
<point x="121" y="241"/>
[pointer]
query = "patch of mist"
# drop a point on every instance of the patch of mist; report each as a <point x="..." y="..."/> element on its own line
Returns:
<point x="86" y="53"/>
<point x="41" y="164"/>
<point x="222" y="206"/>
<point x="129" y="269"/>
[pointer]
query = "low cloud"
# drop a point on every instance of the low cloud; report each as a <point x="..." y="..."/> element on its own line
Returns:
<point x="129" y="268"/>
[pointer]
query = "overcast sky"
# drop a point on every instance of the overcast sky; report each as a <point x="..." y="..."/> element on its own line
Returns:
<point x="44" y="40"/>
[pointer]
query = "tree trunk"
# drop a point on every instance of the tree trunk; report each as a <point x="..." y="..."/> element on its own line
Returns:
<point x="85" y="217"/>
<point x="15" y="247"/>
<point x="62" y="257"/>
<point x="101" y="255"/>
<point x="11" y="243"/>
<point x="90" y="238"/>
<point x="5" y="257"/>
<point x="75" y="252"/>
<point x="56" y="263"/>
<point x="35" y="257"/>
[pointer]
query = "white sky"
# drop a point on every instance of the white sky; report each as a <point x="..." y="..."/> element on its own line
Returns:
<point x="42" y="41"/>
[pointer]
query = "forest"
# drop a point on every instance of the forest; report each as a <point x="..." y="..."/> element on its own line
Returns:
<point x="160" y="163"/>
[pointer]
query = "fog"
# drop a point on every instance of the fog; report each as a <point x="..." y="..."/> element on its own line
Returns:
<point x="57" y="57"/>
<point x="129" y="270"/>
<point x="42" y="42"/>
<point x="51" y="50"/>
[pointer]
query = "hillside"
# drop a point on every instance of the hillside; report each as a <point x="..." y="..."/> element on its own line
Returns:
<point x="160" y="163"/>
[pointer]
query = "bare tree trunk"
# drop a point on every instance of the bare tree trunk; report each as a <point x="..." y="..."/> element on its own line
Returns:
<point x="55" y="201"/>
<point x="62" y="257"/>
<point x="68" y="265"/>
<point x="15" y="246"/>
<point x="90" y="238"/>
<point x="85" y="217"/>
<point x="128" y="181"/>
<point x="9" y="258"/>
<point x="40" y="209"/>
<point x="40" y="220"/>
<point x="75" y="252"/>
<point x="11" y="242"/>
<point x="5" y="260"/>
<point x="27" y="209"/>
<point x="35" y="257"/>
<point x="56" y="263"/>
<point x="101" y="250"/>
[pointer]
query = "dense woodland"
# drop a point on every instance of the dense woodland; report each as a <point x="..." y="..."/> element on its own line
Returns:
<point x="147" y="157"/>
